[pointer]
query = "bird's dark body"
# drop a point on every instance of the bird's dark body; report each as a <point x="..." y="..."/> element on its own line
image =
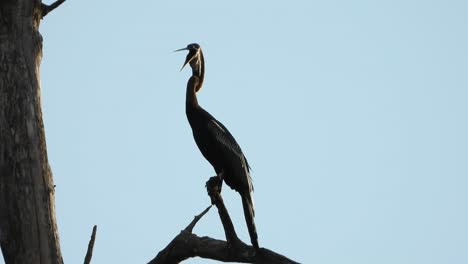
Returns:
<point x="234" y="167"/>
<point x="216" y="143"/>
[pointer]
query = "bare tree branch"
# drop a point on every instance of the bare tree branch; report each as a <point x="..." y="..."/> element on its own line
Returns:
<point x="213" y="188"/>
<point x="46" y="9"/>
<point x="197" y="218"/>
<point x="187" y="245"/>
<point x="89" y="253"/>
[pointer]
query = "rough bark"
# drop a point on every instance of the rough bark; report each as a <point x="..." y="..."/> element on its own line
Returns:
<point x="28" y="228"/>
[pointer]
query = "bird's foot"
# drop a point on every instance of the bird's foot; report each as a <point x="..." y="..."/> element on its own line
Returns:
<point x="212" y="187"/>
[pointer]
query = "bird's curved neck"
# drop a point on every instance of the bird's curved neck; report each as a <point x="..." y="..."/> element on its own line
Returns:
<point x="198" y="69"/>
<point x="195" y="82"/>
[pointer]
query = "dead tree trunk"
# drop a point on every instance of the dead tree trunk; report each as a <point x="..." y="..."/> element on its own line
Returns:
<point x="28" y="228"/>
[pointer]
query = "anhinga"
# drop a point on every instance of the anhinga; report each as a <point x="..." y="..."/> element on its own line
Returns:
<point x="216" y="143"/>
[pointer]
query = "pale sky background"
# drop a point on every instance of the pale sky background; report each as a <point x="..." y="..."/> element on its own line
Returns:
<point x="353" y="115"/>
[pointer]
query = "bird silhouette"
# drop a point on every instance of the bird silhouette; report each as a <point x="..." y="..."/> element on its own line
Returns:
<point x="215" y="141"/>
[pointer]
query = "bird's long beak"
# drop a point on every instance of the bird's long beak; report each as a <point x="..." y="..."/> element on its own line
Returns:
<point x="185" y="63"/>
<point x="187" y="60"/>
<point x="181" y="49"/>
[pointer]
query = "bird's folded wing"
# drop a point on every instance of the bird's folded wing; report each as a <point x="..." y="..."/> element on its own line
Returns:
<point x="230" y="148"/>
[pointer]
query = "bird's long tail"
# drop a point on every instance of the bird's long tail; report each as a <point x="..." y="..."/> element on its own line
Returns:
<point x="249" y="214"/>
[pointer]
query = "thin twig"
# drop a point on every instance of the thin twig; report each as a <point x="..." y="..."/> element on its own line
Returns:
<point x="46" y="9"/>
<point x="197" y="218"/>
<point x="89" y="253"/>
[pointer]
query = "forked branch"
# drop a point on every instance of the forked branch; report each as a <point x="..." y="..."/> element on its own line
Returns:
<point x="187" y="245"/>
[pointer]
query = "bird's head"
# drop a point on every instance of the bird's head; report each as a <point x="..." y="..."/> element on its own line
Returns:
<point x="197" y="63"/>
<point x="193" y="57"/>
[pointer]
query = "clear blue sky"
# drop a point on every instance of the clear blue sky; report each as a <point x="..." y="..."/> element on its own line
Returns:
<point x="353" y="115"/>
